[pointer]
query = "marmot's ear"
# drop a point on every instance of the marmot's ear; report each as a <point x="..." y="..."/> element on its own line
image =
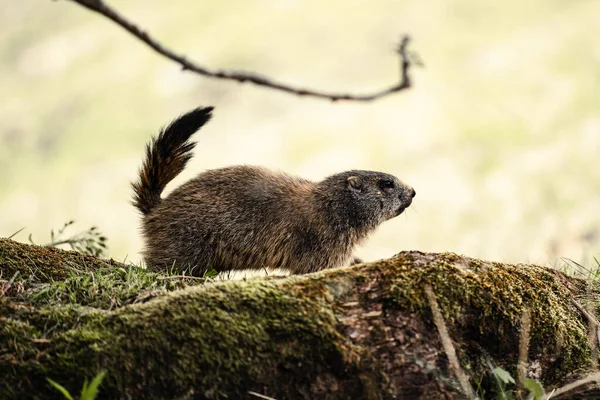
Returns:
<point x="355" y="183"/>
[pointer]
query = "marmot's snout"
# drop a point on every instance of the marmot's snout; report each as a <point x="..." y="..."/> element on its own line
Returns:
<point x="409" y="195"/>
<point x="406" y="199"/>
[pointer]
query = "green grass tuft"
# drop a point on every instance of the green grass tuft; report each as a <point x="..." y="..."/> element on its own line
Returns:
<point x="88" y="392"/>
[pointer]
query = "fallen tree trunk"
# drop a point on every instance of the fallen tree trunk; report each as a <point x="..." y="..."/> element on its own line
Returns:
<point x="368" y="331"/>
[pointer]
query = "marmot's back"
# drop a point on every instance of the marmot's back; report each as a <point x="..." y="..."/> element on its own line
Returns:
<point x="245" y="217"/>
<point x="226" y="215"/>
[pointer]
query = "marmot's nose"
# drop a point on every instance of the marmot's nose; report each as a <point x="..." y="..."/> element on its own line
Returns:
<point x="412" y="193"/>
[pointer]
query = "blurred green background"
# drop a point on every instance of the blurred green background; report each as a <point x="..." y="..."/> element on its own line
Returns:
<point x="500" y="135"/>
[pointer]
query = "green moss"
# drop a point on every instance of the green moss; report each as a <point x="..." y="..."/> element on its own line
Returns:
<point x="48" y="276"/>
<point x="483" y="302"/>
<point x="105" y="288"/>
<point x="286" y="338"/>
<point x="198" y="332"/>
<point x="45" y="264"/>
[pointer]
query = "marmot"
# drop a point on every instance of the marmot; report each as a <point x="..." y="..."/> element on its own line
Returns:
<point x="247" y="217"/>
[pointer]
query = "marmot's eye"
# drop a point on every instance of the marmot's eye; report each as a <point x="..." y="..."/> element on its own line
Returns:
<point x="386" y="184"/>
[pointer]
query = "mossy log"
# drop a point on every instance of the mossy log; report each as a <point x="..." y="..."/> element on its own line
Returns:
<point x="361" y="332"/>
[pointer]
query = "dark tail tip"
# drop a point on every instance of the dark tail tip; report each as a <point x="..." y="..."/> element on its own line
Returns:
<point x="186" y="125"/>
<point x="166" y="156"/>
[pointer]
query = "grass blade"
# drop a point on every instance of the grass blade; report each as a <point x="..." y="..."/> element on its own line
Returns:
<point x="60" y="388"/>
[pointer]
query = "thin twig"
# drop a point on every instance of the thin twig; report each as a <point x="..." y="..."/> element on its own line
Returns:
<point x="594" y="377"/>
<point x="262" y="396"/>
<point x="162" y="278"/>
<point x="593" y="332"/>
<point x="6" y="286"/>
<point x="69" y="241"/>
<point x="591" y="319"/>
<point x="102" y="8"/>
<point x="585" y="312"/>
<point x="523" y="348"/>
<point x="438" y="320"/>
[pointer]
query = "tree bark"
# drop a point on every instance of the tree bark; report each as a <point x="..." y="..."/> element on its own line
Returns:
<point x="360" y="332"/>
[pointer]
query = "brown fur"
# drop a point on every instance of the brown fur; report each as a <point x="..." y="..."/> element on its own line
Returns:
<point x="247" y="217"/>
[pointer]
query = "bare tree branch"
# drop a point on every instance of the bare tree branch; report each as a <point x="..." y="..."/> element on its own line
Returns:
<point x="101" y="7"/>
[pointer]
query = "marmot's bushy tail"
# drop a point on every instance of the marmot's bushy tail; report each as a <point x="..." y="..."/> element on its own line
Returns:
<point x="166" y="157"/>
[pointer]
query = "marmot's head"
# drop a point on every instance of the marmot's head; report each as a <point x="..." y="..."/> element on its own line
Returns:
<point x="370" y="197"/>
